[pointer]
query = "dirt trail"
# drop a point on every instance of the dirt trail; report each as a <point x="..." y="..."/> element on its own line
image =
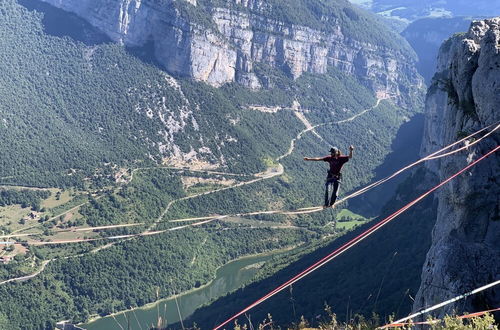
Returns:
<point x="268" y="174"/>
<point x="27" y="277"/>
<point x="273" y="172"/>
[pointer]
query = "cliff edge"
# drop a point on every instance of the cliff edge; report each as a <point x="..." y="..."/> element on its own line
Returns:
<point x="463" y="98"/>
<point x="220" y="42"/>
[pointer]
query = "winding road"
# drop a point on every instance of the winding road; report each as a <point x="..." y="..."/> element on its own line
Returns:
<point x="268" y="174"/>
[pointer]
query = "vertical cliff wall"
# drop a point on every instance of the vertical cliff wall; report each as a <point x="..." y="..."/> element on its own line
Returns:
<point x="464" y="97"/>
<point x="223" y="41"/>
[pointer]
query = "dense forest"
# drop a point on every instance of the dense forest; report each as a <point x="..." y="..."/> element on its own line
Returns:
<point x="129" y="273"/>
<point x="23" y="197"/>
<point x="118" y="115"/>
<point x="356" y="282"/>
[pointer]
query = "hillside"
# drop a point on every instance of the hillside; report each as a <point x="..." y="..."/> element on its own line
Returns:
<point x="412" y="10"/>
<point x="112" y="140"/>
<point x="426" y="36"/>
<point x="219" y="42"/>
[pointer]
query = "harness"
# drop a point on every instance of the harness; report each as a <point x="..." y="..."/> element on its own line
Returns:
<point x="331" y="175"/>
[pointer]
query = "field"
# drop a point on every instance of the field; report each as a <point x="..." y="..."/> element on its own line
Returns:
<point x="347" y="220"/>
<point x="256" y="193"/>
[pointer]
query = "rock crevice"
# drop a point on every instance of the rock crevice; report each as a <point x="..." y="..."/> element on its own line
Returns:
<point x="464" y="97"/>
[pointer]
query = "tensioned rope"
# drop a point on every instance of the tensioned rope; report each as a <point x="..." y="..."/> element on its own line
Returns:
<point x="146" y="233"/>
<point x="434" y="155"/>
<point x="305" y="210"/>
<point x="444" y="303"/>
<point x="352" y="242"/>
<point x="465" y="316"/>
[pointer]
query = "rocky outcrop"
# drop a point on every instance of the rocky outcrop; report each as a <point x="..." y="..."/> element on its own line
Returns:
<point x="229" y="42"/>
<point x="464" y="97"/>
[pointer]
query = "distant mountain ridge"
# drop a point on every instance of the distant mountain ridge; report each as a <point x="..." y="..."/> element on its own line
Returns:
<point x="78" y="111"/>
<point x="426" y="36"/>
<point x="225" y="41"/>
<point x="410" y="10"/>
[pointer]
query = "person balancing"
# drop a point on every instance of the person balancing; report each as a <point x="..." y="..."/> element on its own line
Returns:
<point x="334" y="177"/>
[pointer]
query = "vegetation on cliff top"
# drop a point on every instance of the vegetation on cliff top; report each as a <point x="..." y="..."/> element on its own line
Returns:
<point x="324" y="15"/>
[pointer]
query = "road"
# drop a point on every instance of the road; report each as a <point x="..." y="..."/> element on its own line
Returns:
<point x="27" y="277"/>
<point x="266" y="175"/>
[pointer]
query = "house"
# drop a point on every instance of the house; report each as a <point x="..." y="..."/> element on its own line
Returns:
<point x="5" y="259"/>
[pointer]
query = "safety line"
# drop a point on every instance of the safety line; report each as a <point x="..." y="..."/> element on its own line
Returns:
<point x="146" y="233"/>
<point x="358" y="192"/>
<point x="434" y="155"/>
<point x="465" y="316"/>
<point x="352" y="242"/>
<point x="78" y="229"/>
<point x="304" y="210"/>
<point x="444" y="303"/>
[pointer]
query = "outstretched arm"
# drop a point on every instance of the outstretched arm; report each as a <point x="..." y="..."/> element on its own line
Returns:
<point x="313" y="159"/>
<point x="351" y="149"/>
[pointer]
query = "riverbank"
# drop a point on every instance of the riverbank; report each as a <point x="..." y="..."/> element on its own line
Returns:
<point x="227" y="278"/>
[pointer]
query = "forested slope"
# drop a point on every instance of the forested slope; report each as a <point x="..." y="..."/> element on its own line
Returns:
<point x="380" y="275"/>
<point x="77" y="110"/>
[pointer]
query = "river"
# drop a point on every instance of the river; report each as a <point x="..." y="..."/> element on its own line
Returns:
<point x="228" y="278"/>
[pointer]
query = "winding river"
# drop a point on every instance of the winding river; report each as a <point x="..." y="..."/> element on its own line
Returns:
<point x="228" y="278"/>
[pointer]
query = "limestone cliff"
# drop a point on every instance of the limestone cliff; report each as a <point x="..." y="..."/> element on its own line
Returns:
<point x="464" y="97"/>
<point x="225" y="40"/>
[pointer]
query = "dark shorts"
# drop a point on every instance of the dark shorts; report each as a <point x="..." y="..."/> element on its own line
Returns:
<point x="333" y="177"/>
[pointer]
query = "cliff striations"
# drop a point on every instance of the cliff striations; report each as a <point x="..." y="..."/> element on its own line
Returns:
<point x="464" y="97"/>
<point x="226" y="41"/>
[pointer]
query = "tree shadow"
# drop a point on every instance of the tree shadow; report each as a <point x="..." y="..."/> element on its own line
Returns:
<point x="146" y="53"/>
<point x="60" y="23"/>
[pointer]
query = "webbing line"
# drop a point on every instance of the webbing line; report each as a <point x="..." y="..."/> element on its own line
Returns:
<point x="352" y="242"/>
<point x="447" y="302"/>
<point x="465" y="316"/>
<point x="432" y="156"/>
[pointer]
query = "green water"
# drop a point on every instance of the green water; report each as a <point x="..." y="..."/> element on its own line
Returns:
<point x="228" y="278"/>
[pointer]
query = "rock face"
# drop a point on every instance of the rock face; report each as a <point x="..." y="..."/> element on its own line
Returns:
<point x="227" y="43"/>
<point x="464" y="97"/>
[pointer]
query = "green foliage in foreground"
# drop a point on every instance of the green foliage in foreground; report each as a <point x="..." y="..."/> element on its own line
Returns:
<point x="476" y="323"/>
<point x="359" y="322"/>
